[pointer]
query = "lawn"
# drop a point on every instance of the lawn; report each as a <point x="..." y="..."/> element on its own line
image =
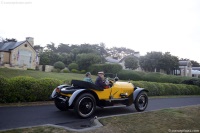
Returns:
<point x="186" y="119"/>
<point x="9" y="73"/>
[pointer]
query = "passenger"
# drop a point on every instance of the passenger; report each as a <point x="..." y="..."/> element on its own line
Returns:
<point x="88" y="77"/>
<point x="100" y="80"/>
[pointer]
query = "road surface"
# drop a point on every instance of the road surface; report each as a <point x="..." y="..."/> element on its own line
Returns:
<point x="15" y="117"/>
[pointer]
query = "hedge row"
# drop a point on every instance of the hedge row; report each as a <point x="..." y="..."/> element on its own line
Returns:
<point x="162" y="89"/>
<point x="107" y="68"/>
<point x="151" y="76"/>
<point x="26" y="89"/>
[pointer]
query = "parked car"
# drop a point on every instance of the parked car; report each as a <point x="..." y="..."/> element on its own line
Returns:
<point x="83" y="96"/>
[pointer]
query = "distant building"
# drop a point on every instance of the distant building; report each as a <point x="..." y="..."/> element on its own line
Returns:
<point x="19" y="54"/>
<point x="121" y="61"/>
<point x="185" y="68"/>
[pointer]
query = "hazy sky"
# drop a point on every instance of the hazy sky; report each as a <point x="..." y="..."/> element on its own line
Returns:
<point x="142" y="25"/>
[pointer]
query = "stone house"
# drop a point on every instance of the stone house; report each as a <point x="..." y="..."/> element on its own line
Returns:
<point x="19" y="54"/>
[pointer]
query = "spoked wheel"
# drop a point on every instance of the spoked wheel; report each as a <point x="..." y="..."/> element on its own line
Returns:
<point x="60" y="104"/>
<point x="141" y="101"/>
<point x="85" y="105"/>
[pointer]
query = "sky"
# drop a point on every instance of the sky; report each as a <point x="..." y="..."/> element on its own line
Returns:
<point x="142" y="25"/>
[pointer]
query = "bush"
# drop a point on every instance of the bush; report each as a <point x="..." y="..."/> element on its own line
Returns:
<point x="65" y="71"/>
<point x="74" y="71"/>
<point x="192" y="82"/>
<point x="59" y="65"/>
<point x="55" y="70"/>
<point x="152" y="77"/>
<point x="73" y="66"/>
<point x="107" y="68"/>
<point x="3" y="89"/>
<point x="26" y="89"/>
<point x="161" y="89"/>
<point x="83" y="71"/>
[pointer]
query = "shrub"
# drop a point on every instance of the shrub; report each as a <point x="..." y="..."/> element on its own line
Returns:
<point x="55" y="70"/>
<point x="3" y="89"/>
<point x="107" y="68"/>
<point x="151" y="76"/>
<point x="74" y="71"/>
<point x="83" y="71"/>
<point x="26" y="89"/>
<point x="192" y="82"/>
<point x="161" y="89"/>
<point x="73" y="66"/>
<point x="65" y="71"/>
<point x="59" y="65"/>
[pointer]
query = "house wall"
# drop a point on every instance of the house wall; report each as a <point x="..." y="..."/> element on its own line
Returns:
<point x="15" y="55"/>
<point x="4" y="57"/>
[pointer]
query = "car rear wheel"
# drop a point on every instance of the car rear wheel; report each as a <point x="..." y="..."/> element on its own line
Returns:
<point x="85" y="105"/>
<point x="141" y="101"/>
<point x="61" y="105"/>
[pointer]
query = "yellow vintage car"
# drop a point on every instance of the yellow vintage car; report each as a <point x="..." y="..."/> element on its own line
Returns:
<point x="83" y="96"/>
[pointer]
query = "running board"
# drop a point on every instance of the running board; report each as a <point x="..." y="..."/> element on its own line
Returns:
<point x="117" y="106"/>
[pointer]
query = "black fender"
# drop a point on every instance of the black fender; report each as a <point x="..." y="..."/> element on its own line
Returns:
<point x="74" y="95"/>
<point x="137" y="90"/>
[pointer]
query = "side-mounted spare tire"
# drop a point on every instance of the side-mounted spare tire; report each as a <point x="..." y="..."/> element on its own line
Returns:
<point x="85" y="105"/>
<point x="141" y="101"/>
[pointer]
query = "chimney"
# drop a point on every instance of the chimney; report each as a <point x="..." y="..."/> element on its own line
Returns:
<point x="30" y="40"/>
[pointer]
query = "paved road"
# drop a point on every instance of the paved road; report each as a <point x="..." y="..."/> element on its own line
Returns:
<point x="14" y="117"/>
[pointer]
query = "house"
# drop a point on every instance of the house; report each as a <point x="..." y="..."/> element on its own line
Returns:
<point x="121" y="61"/>
<point x="185" y="67"/>
<point x="19" y="54"/>
<point x="195" y="72"/>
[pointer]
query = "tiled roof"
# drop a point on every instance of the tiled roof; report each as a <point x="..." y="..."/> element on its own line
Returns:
<point x="9" y="45"/>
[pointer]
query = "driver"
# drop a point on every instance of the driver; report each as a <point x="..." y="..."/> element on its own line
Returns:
<point x="100" y="80"/>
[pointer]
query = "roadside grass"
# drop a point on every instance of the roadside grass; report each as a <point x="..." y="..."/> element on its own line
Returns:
<point x="10" y="73"/>
<point x="162" y="121"/>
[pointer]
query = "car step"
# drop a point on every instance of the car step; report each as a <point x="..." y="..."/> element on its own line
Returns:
<point x="116" y="106"/>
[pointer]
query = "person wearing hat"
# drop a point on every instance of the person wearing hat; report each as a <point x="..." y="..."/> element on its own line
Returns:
<point x="100" y="80"/>
<point x="88" y="77"/>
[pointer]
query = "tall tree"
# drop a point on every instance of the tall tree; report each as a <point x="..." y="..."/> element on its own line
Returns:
<point x="195" y="63"/>
<point x="131" y="62"/>
<point x="84" y="60"/>
<point x="150" y="62"/>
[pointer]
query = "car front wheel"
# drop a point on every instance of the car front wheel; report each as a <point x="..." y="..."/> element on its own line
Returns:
<point x="141" y="101"/>
<point x="85" y="105"/>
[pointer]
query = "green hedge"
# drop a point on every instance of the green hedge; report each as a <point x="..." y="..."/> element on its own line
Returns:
<point x="107" y="68"/>
<point x="26" y="89"/>
<point x="151" y="76"/>
<point x="162" y="89"/>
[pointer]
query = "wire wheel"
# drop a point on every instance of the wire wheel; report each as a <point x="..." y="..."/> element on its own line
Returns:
<point x="85" y="105"/>
<point x="141" y="101"/>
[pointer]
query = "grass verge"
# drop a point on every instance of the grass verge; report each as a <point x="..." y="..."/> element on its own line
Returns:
<point x="185" y="119"/>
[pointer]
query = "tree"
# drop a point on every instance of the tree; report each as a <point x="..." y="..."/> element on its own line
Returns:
<point x="38" y="48"/>
<point x="150" y="62"/>
<point x="64" y="48"/>
<point x="73" y="66"/>
<point x="195" y="63"/>
<point x="155" y="61"/>
<point x="168" y="62"/>
<point x="51" y="47"/>
<point x="84" y="60"/>
<point x="131" y="62"/>
<point x="59" y="65"/>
